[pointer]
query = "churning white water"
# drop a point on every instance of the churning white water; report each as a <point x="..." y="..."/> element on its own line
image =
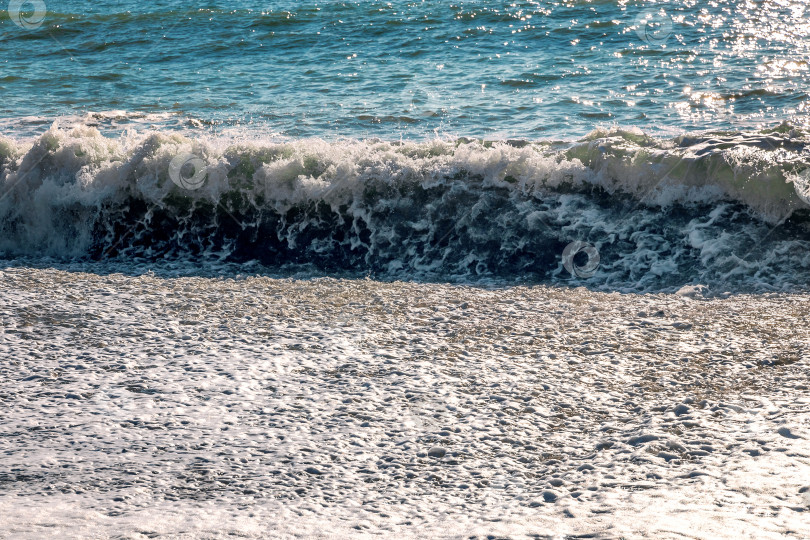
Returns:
<point x="166" y="403"/>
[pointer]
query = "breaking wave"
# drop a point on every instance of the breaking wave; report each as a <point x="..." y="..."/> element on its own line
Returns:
<point x="723" y="209"/>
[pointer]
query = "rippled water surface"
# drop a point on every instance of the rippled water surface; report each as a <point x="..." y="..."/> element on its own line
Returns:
<point x="528" y="69"/>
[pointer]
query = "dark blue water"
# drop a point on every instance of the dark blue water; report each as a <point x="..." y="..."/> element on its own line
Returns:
<point x="532" y="70"/>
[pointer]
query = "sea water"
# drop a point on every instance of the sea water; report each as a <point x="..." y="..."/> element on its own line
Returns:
<point x="414" y="139"/>
<point x="405" y="68"/>
<point x="405" y="268"/>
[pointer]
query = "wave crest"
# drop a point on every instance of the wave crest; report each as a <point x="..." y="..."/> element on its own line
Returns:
<point x="660" y="212"/>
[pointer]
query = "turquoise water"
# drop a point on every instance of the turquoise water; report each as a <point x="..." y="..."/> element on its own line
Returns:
<point x="391" y="69"/>
<point x="663" y="144"/>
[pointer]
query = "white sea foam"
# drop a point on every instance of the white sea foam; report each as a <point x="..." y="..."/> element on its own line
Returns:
<point x="141" y="405"/>
<point x="688" y="206"/>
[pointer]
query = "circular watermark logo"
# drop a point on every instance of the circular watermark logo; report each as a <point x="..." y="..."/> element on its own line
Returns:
<point x="589" y="266"/>
<point x="654" y="26"/>
<point x="188" y="171"/>
<point x="421" y="100"/>
<point x="27" y="14"/>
